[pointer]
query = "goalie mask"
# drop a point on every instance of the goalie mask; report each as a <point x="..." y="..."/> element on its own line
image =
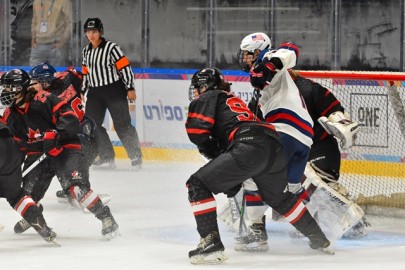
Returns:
<point x="203" y="80"/>
<point x="250" y="47"/>
<point x="43" y="73"/>
<point x="12" y="84"/>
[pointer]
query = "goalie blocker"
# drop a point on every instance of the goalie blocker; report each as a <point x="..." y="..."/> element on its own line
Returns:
<point x="339" y="125"/>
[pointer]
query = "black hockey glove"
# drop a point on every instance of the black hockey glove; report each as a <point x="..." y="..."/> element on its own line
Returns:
<point x="210" y="149"/>
<point x="50" y="144"/>
<point x="254" y="107"/>
<point x="262" y="74"/>
<point x="233" y="191"/>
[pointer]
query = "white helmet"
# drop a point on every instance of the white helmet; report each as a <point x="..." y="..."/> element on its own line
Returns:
<point x="256" y="41"/>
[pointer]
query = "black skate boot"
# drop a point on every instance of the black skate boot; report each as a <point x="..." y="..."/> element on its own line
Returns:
<point x="254" y="240"/>
<point x="21" y="226"/>
<point x="319" y="241"/>
<point x="210" y="250"/>
<point x="44" y="231"/>
<point x="62" y="196"/>
<point x="109" y="226"/>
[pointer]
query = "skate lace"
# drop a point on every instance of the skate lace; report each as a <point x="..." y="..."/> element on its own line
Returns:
<point x="208" y="240"/>
<point x="107" y="223"/>
<point x="256" y="233"/>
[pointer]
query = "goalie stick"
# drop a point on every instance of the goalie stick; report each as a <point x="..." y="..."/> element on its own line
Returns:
<point x="242" y="223"/>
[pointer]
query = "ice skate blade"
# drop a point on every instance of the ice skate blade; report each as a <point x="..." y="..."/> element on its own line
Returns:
<point x="112" y="235"/>
<point x="252" y="247"/>
<point x="217" y="257"/>
<point x="55" y="243"/>
<point x="327" y="250"/>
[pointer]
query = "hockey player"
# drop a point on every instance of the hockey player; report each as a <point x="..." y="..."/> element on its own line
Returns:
<point x="43" y="123"/>
<point x="10" y="186"/>
<point x="324" y="154"/>
<point x="281" y="105"/>
<point x="67" y="86"/>
<point x="224" y="130"/>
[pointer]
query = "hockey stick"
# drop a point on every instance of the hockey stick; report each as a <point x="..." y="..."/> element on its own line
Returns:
<point x="242" y="223"/>
<point x="33" y="165"/>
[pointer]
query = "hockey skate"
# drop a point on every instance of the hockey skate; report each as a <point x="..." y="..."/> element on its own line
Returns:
<point x="357" y="231"/>
<point x="109" y="225"/>
<point x="320" y="242"/>
<point x="136" y="163"/>
<point x="255" y="240"/>
<point x="44" y="231"/>
<point x="104" y="163"/>
<point x="210" y="250"/>
<point x="21" y="226"/>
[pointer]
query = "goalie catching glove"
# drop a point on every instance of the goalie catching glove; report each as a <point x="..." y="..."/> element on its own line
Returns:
<point x="339" y="125"/>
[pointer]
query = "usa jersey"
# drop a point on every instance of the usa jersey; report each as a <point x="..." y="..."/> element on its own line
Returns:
<point x="217" y="114"/>
<point x="43" y="113"/>
<point x="281" y="102"/>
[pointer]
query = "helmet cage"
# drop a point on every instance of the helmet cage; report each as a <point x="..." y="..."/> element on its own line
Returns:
<point x="8" y="94"/>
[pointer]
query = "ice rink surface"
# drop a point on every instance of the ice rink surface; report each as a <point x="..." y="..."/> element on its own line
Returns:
<point x="158" y="229"/>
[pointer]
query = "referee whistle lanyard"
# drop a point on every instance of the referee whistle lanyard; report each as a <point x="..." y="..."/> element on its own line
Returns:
<point x="49" y="9"/>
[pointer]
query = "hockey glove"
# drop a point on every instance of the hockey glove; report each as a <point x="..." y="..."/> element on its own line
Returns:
<point x="262" y="74"/>
<point x="233" y="191"/>
<point x="50" y="144"/>
<point x="339" y="125"/>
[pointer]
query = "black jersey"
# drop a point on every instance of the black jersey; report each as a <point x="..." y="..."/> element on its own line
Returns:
<point x="43" y="113"/>
<point x="213" y="119"/>
<point x="320" y="102"/>
<point x="67" y="86"/>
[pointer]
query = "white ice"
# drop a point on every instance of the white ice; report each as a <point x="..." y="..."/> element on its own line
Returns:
<point x="158" y="229"/>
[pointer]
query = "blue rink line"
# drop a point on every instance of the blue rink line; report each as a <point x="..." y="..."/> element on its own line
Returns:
<point x="166" y="71"/>
<point x="373" y="239"/>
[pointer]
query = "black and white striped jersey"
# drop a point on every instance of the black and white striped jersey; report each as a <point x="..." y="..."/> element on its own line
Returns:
<point x="105" y="65"/>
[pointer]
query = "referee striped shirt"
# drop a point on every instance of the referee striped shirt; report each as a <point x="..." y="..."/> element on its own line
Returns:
<point x="105" y="65"/>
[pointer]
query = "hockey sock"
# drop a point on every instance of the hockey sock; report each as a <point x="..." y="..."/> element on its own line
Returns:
<point x="204" y="207"/>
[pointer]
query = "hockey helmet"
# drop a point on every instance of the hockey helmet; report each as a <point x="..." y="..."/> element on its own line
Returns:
<point x="210" y="78"/>
<point x="94" y="24"/>
<point x="12" y="83"/>
<point x="250" y="47"/>
<point x="43" y="73"/>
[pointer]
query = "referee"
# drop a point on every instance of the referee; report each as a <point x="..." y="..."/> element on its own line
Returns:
<point x="108" y="77"/>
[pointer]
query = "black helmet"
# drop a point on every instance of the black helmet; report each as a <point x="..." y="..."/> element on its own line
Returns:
<point x="12" y="83"/>
<point x="94" y="24"/>
<point x="211" y="78"/>
<point x="43" y="73"/>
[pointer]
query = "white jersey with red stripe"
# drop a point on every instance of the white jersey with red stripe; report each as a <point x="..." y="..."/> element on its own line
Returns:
<point x="282" y="104"/>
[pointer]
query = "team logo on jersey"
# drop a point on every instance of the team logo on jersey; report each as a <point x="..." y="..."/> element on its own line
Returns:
<point x="33" y="135"/>
<point x="76" y="175"/>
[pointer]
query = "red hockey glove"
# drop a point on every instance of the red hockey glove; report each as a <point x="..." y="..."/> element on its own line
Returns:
<point x="262" y="74"/>
<point x="50" y="144"/>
